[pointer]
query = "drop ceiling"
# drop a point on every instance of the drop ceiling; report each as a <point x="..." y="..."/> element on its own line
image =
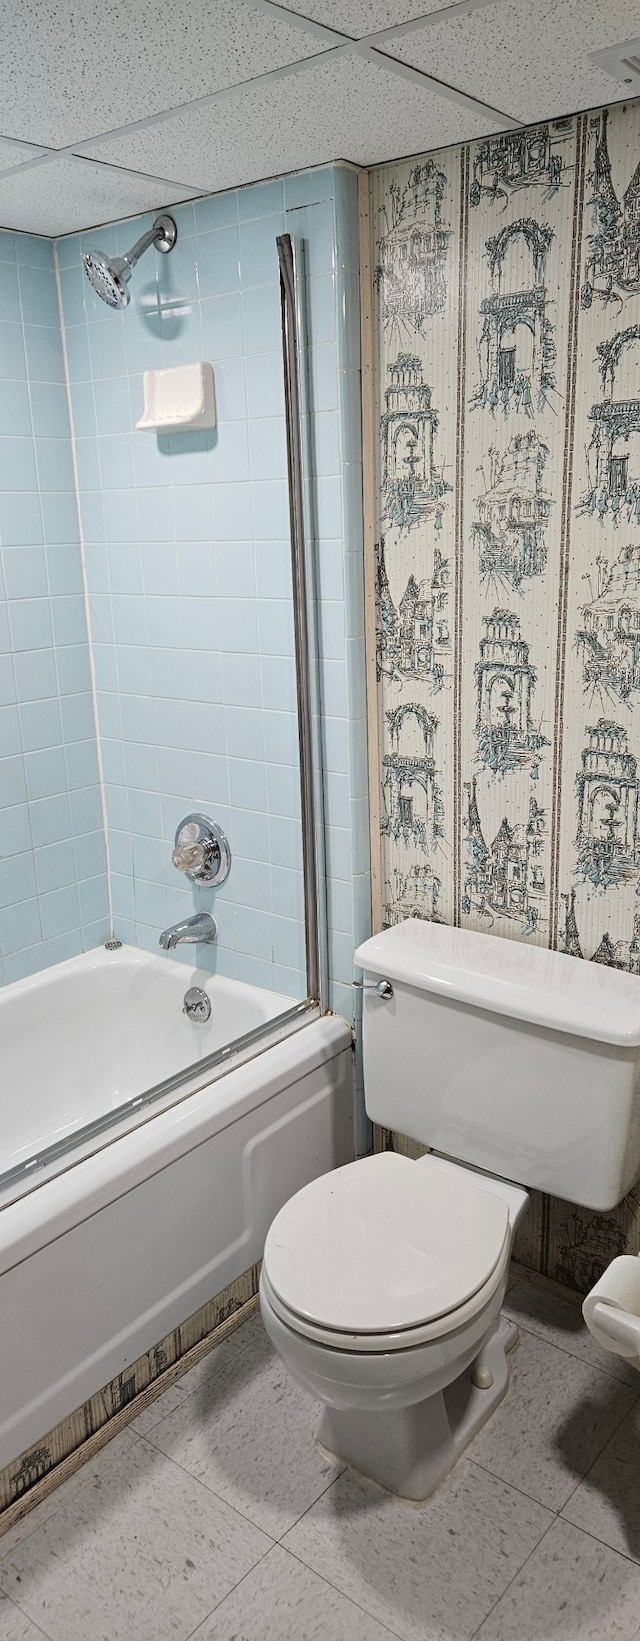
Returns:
<point x="110" y="110"/>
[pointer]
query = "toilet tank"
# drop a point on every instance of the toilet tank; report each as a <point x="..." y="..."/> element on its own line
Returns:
<point x="515" y="1059"/>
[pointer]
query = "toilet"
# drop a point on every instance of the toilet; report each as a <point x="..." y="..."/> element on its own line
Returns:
<point x="382" y="1282"/>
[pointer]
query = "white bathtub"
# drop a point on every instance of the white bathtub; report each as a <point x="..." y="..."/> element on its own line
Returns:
<point x="135" y="1228"/>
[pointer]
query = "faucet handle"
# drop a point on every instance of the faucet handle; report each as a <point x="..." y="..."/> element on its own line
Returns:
<point x="189" y="857"/>
<point x="201" y="850"/>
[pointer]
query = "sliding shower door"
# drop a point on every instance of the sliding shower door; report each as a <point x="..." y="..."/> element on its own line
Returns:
<point x="198" y="550"/>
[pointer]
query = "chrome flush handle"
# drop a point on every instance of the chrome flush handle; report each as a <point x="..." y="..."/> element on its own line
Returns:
<point x="382" y="988"/>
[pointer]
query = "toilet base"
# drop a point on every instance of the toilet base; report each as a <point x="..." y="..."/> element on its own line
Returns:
<point x="410" y="1450"/>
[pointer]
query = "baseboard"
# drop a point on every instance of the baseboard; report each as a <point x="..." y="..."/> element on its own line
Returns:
<point x="34" y="1474"/>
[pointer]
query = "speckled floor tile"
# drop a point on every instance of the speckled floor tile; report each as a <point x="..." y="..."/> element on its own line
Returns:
<point x="432" y="1572"/>
<point x="561" y="1323"/>
<point x="139" y="1552"/>
<point x="607" y="1502"/>
<point x="557" y="1415"/>
<point x="281" y="1600"/>
<point x="213" y="1358"/>
<point x="572" y="1589"/>
<point x="65" y="1491"/>
<point x="247" y="1432"/>
<point x="170" y="1399"/>
<point x="15" y="1626"/>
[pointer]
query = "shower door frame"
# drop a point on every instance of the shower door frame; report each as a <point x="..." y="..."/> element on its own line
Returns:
<point x="298" y="410"/>
<point x="305" y="607"/>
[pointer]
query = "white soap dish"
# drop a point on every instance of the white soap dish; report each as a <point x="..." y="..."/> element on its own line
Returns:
<point x="180" y="397"/>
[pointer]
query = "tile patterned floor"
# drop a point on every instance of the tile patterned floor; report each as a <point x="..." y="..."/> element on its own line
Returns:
<point x="215" y="1518"/>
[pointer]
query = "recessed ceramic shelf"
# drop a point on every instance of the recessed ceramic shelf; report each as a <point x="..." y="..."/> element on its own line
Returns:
<point x="181" y="397"/>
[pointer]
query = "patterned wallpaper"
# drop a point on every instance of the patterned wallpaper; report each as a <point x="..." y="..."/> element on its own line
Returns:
<point x="507" y="336"/>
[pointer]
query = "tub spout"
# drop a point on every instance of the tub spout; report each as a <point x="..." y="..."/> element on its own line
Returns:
<point x="194" y="930"/>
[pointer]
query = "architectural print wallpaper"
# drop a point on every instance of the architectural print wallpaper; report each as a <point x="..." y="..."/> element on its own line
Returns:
<point x="507" y="381"/>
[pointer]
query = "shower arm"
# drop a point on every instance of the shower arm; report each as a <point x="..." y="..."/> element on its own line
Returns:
<point x="162" y="234"/>
<point x="153" y="234"/>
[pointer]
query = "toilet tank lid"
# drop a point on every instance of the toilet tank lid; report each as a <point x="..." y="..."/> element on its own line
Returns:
<point x="508" y="977"/>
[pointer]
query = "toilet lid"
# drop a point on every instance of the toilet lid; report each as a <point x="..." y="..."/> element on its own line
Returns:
<point x="384" y="1244"/>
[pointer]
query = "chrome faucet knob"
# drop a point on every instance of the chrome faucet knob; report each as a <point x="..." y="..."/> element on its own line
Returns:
<point x="189" y="857"/>
<point x="201" y="850"/>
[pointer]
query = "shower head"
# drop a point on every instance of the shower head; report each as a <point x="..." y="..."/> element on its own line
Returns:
<point x="110" y="275"/>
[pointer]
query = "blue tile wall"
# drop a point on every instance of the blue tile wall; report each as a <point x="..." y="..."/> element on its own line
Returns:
<point x="53" y="883"/>
<point x="187" y="553"/>
<point x="186" y="548"/>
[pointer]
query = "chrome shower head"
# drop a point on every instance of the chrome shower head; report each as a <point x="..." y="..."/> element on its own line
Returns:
<point x="110" y="275"/>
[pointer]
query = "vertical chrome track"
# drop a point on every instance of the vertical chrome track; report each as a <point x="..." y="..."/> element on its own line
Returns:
<point x="304" y="615"/>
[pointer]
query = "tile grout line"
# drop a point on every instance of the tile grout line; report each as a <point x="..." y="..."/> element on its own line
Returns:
<point x="525" y="1563"/>
<point x="102" y="1439"/>
<point x="235" y="1507"/>
<point x="599" y="1454"/>
<point x="278" y="1546"/>
<point x="12" y="654"/>
<point x="311" y="1506"/>
<point x="601" y="1450"/>
<point x="558" y="1515"/>
<point x="584" y="1362"/>
<point x="366" y="1610"/>
<point x="169" y="1458"/>
<point x="146" y="1435"/>
<point x="519" y="1490"/>
<point x="582" y="1478"/>
<point x="194" y="1633"/>
<point x="589" y="1533"/>
<point x="24" y="1614"/>
<point x="563" y="1521"/>
<point x="469" y="1461"/>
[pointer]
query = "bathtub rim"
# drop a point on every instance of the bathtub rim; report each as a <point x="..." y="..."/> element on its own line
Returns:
<point x="63" y="1201"/>
<point x="84" y="1141"/>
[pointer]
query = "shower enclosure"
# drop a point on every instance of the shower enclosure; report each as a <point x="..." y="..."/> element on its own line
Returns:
<point x="200" y="852"/>
<point x="180" y="1077"/>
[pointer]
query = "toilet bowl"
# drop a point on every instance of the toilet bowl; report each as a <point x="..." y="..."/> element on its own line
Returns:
<point x="382" y="1282"/>
<point x="381" y="1290"/>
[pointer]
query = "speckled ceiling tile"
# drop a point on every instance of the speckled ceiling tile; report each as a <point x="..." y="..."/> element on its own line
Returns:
<point x="348" y="108"/>
<point x="66" y="193"/>
<point x="160" y="54"/>
<point x="532" y="61"/>
<point x="15" y="153"/>
<point x="361" y="17"/>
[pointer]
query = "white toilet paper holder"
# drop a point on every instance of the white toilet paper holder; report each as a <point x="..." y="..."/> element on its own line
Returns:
<point x="619" y="1326"/>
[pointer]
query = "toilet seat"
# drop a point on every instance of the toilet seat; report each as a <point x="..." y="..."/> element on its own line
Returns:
<point x="403" y="1339"/>
<point x="383" y="1254"/>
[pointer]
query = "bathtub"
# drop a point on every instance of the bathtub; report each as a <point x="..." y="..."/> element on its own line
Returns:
<point x="121" y="1214"/>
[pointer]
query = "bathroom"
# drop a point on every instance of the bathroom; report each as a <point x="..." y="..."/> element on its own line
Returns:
<point x="320" y="821"/>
